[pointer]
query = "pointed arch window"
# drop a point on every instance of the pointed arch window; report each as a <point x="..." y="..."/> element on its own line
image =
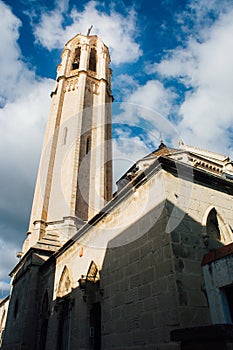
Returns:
<point x="212" y="226"/>
<point x="92" y="60"/>
<point x="75" y="64"/>
<point x="65" y="307"/>
<point x="64" y="287"/>
<point x="213" y="233"/>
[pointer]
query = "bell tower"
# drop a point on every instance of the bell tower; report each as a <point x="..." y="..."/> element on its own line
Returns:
<point x="75" y="174"/>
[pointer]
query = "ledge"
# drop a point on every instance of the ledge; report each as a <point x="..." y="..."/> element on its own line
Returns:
<point x="217" y="254"/>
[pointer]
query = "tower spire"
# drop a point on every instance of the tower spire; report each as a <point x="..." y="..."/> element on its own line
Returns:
<point x="75" y="174"/>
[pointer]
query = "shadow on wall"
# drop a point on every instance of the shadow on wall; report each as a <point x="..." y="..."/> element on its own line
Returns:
<point x="146" y="288"/>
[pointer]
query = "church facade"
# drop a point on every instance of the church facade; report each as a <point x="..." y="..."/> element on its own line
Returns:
<point x="146" y="268"/>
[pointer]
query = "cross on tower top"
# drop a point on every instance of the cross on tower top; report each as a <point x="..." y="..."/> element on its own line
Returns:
<point x="89" y="30"/>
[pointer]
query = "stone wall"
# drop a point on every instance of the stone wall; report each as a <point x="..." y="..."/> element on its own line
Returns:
<point x="148" y="246"/>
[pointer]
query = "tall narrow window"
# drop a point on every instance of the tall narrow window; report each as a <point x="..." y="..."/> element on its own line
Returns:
<point x="64" y="136"/>
<point x="95" y="326"/>
<point x="64" y="325"/>
<point x="212" y="226"/>
<point x="44" y="322"/>
<point x="92" y="60"/>
<point x="88" y="144"/>
<point x="213" y="230"/>
<point x="75" y="64"/>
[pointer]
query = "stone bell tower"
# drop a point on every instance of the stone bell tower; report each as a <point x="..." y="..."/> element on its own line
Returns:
<point x="75" y="174"/>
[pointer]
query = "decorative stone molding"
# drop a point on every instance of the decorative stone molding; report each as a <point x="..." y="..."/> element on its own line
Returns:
<point x="92" y="86"/>
<point x="71" y="84"/>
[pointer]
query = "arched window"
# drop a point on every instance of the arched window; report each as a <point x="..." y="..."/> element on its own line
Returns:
<point x="64" y="310"/>
<point x="64" y="287"/>
<point x="213" y="230"/>
<point x="75" y="64"/>
<point x="92" y="60"/>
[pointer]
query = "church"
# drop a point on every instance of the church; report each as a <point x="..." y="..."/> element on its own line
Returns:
<point x="148" y="267"/>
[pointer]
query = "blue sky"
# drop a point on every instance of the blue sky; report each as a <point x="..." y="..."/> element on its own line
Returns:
<point x="172" y="64"/>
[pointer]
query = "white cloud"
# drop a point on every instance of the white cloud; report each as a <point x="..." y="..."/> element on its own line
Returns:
<point x="21" y="134"/>
<point x="126" y="151"/>
<point x="7" y="262"/>
<point x="153" y="95"/>
<point x="13" y="70"/>
<point x="148" y="107"/>
<point x="24" y="101"/>
<point x="7" y="258"/>
<point x="117" y="31"/>
<point x="124" y="86"/>
<point x="205" y="66"/>
<point x="140" y="121"/>
<point x="4" y="287"/>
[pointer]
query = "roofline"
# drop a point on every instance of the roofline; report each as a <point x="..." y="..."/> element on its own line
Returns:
<point x="167" y="164"/>
<point x="3" y="301"/>
<point x="26" y="255"/>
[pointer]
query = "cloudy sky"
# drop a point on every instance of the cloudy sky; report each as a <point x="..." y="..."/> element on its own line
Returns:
<point x="172" y="64"/>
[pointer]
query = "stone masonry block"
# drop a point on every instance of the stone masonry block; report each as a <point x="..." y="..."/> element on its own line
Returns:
<point x="136" y="281"/>
<point x="167" y="300"/>
<point x="167" y="251"/>
<point x="134" y="256"/>
<point x="197" y="299"/>
<point x="148" y="275"/>
<point x="145" y="291"/>
<point x="150" y="304"/>
<point x="192" y="267"/>
<point x="164" y="269"/>
<point x="159" y="286"/>
<point x="147" y="321"/>
<point x="131" y="295"/>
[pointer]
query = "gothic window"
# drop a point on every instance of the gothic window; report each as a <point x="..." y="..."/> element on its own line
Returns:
<point x="213" y="230"/>
<point x="212" y="227"/>
<point x="92" y="60"/>
<point x="75" y="64"/>
<point x="64" y="287"/>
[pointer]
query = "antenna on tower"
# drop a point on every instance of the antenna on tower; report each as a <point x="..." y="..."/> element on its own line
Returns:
<point x="89" y="30"/>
